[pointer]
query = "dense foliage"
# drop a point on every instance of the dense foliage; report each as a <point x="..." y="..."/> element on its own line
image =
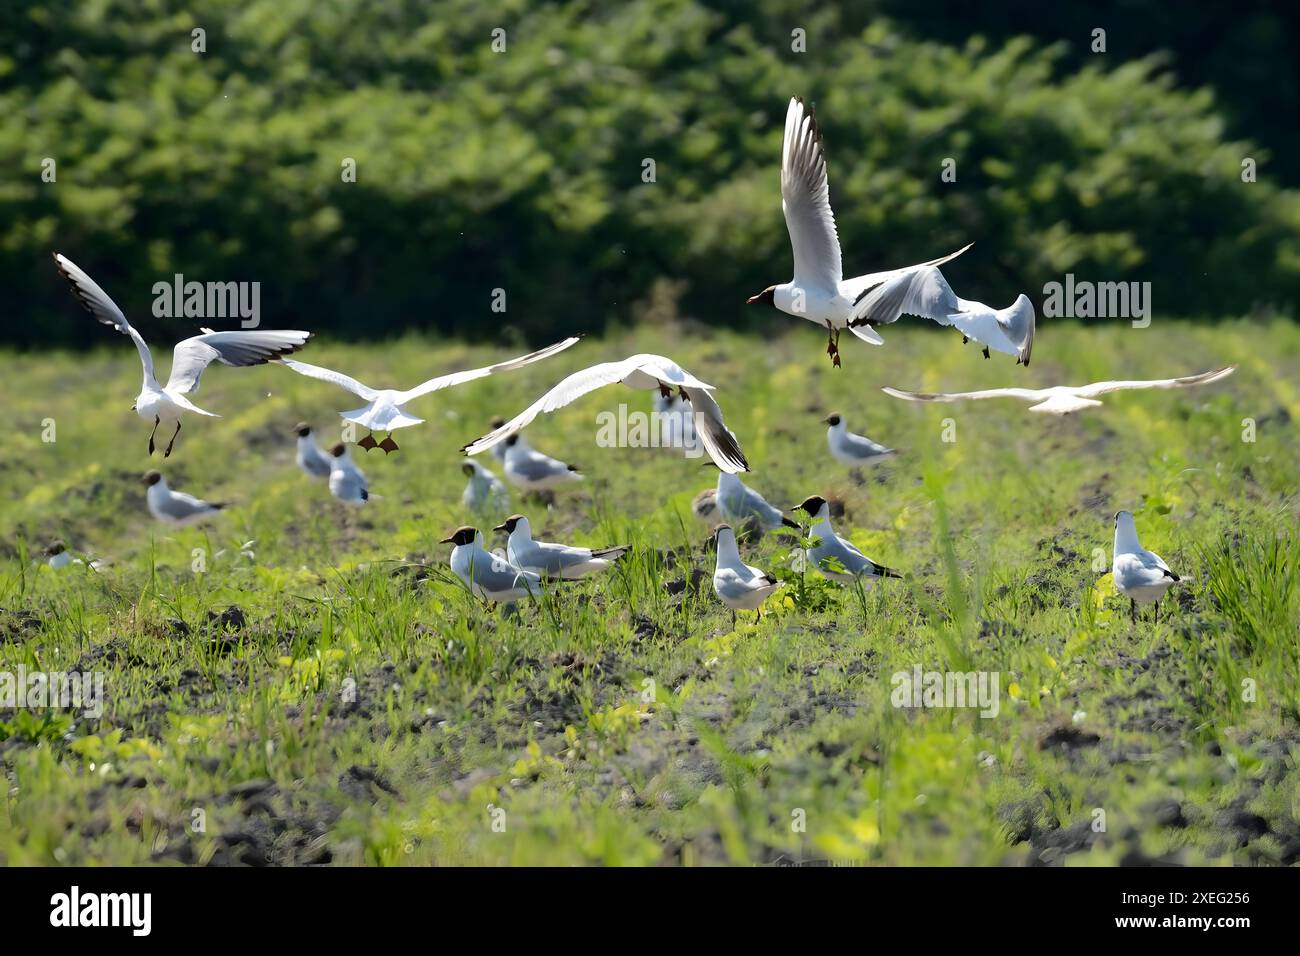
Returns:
<point x="522" y="170"/>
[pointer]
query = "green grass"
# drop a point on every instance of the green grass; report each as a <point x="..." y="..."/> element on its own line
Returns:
<point x="615" y="722"/>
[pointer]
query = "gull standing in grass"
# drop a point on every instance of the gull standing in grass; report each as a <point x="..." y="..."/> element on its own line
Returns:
<point x="819" y="292"/>
<point x="385" y="410"/>
<point x="175" y="508"/>
<point x="1063" y="399"/>
<point x="499" y="451"/>
<point x="487" y="576"/>
<point x="314" y="462"/>
<point x="1140" y="575"/>
<point x="347" y="483"/>
<point x="644" y="371"/>
<point x="58" y="556"/>
<point x="676" y="422"/>
<point x="553" y="560"/>
<point x="165" y="404"/>
<point x="484" y="491"/>
<point x="741" y="505"/>
<point x="739" y="586"/>
<point x="836" y="558"/>
<point x="853" y="449"/>
<point x="532" y="471"/>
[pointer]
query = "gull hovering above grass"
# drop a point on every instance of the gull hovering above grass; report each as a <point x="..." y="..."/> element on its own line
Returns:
<point x="553" y="560"/>
<point x="819" y="292"/>
<point x="1063" y="399"/>
<point x="385" y="412"/>
<point x="487" y="576"/>
<point x="167" y="403"/>
<point x="644" y="371"/>
<point x="1140" y="575"/>
<point x="835" y="557"/>
<point x="925" y="293"/>
<point x="175" y="508"/>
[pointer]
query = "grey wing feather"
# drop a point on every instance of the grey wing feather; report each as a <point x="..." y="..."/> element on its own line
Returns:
<point x="239" y="348"/>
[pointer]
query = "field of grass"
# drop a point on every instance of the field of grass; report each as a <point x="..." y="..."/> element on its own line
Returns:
<point x="328" y="694"/>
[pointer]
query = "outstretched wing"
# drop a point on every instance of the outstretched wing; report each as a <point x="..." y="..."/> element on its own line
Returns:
<point x="568" y="390"/>
<point x="1101" y="388"/>
<point x="98" y="304"/>
<point x="718" y="439"/>
<point x="805" y="200"/>
<point x="1028" y="394"/>
<point x="336" y="378"/>
<point x="240" y="348"/>
<point x="457" y="378"/>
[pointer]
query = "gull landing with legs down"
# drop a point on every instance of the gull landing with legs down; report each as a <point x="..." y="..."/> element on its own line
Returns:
<point x="386" y="412"/>
<point x="167" y="403"/>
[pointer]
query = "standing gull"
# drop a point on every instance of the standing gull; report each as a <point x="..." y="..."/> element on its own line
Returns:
<point x="165" y="404"/>
<point x="835" y="557"/>
<point x="175" y="508"/>
<point x="313" y="462"/>
<point x="385" y="412"/>
<point x="484" y="491"/>
<point x="533" y="471"/>
<point x="1063" y="399"/>
<point x="347" y="483"/>
<point x="487" y="576"/>
<point x="738" y="585"/>
<point x="553" y="560"/>
<point x="853" y="449"/>
<point x="741" y="505"/>
<point x="1141" y="576"/>
<point x="644" y="371"/>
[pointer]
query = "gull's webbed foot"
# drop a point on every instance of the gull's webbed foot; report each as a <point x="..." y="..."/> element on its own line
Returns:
<point x="388" y="445"/>
<point x="368" y="443"/>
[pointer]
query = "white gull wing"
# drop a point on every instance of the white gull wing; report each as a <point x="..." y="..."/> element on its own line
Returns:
<point x="457" y="378"/>
<point x="1141" y="569"/>
<point x="240" y="348"/>
<point x="805" y="200"/>
<point x="98" y="304"/>
<point x="719" y="441"/>
<point x="644" y="369"/>
<point x="921" y="290"/>
<point x="1101" y="388"/>
<point x="1027" y="394"/>
<point x="335" y="378"/>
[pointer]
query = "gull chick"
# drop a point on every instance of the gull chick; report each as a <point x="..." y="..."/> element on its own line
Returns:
<point x="175" y="508"/>
<point x="532" y="471"/>
<point x="385" y="410"/>
<point x="1063" y="399"/>
<point x="165" y="404"/>
<point x="739" y="505"/>
<point x="830" y="549"/>
<point x="313" y="462"/>
<point x="1140" y="575"/>
<point x="737" y="585"/>
<point x="487" y="576"/>
<point x="819" y="292"/>
<point x="553" y="560"/>
<point x="852" y="449"/>
<point x="484" y="491"/>
<point x="644" y="371"/>
<point x="347" y="483"/>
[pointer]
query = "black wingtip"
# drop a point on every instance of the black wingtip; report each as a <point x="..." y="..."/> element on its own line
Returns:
<point x="888" y="572"/>
<point x="790" y="523"/>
